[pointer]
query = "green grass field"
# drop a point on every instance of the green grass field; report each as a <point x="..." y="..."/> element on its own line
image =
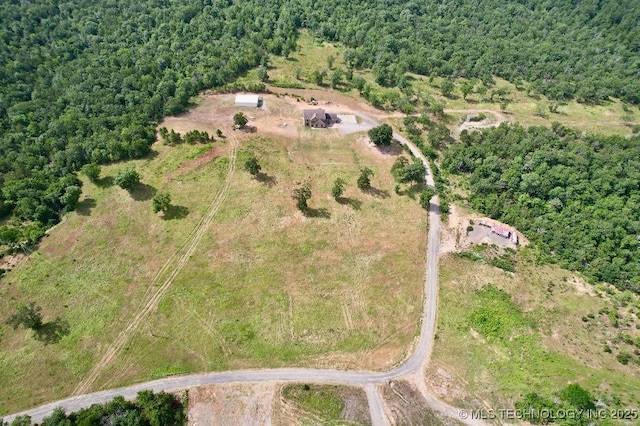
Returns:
<point x="502" y="335"/>
<point x="265" y="287"/>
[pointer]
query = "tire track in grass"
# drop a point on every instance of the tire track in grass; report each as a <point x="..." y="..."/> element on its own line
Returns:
<point x="173" y="267"/>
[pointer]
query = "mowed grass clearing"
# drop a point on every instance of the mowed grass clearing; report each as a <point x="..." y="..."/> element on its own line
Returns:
<point x="270" y="287"/>
<point x="502" y="335"/>
<point x="266" y="286"/>
<point x="93" y="271"/>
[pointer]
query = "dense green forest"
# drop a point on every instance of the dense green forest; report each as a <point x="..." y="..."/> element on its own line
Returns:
<point x="149" y="409"/>
<point x="84" y="81"/>
<point x="563" y="48"/>
<point x="576" y="196"/>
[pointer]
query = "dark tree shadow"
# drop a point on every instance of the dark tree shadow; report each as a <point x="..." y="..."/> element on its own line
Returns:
<point x="378" y="193"/>
<point x="413" y="191"/>
<point x="346" y="201"/>
<point x="142" y="192"/>
<point x="395" y="148"/>
<point x="151" y="154"/>
<point x="320" y="213"/>
<point x="249" y="129"/>
<point x="52" y="332"/>
<point x="104" y="182"/>
<point x="264" y="178"/>
<point x="175" y="212"/>
<point x="84" y="207"/>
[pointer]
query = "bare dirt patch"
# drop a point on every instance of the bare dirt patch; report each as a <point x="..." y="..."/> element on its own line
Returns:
<point x="464" y="230"/>
<point x="10" y="261"/>
<point x="405" y="405"/>
<point x="246" y="404"/>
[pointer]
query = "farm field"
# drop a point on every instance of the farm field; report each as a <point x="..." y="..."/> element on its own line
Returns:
<point x="265" y="286"/>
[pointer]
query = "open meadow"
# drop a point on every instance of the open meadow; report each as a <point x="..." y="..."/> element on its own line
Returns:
<point x="261" y="286"/>
<point x="502" y="335"/>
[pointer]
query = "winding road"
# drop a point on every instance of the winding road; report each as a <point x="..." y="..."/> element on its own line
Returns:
<point x="413" y="368"/>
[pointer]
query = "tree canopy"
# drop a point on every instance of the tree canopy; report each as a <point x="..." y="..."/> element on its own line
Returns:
<point x="381" y="135"/>
<point x="149" y="409"/>
<point x="87" y="82"/>
<point x="575" y="195"/>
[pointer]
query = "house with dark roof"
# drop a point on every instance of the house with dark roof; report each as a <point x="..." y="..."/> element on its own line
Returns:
<point x="318" y="118"/>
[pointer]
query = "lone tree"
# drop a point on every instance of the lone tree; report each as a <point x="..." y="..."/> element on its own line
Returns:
<point x="338" y="188"/>
<point x="318" y="76"/>
<point x="398" y="169"/>
<point x="92" y="171"/>
<point x="252" y="166"/>
<point x="330" y="60"/>
<point x="302" y="194"/>
<point x="29" y="316"/>
<point x="263" y="75"/>
<point x="161" y="202"/>
<point x="239" y="120"/>
<point x="364" y="180"/>
<point x="405" y="172"/>
<point x="447" y="87"/>
<point x="415" y="171"/>
<point x="466" y="88"/>
<point x="127" y="178"/>
<point x="381" y="135"/>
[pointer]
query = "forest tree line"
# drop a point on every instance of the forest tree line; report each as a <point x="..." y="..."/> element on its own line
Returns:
<point x="87" y="82"/>
<point x="576" y="196"/>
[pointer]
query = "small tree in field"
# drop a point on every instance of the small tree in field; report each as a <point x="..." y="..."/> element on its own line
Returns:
<point x="92" y="171"/>
<point x="240" y="120"/>
<point x="338" y="188"/>
<point x="161" y="202"/>
<point x="29" y="316"/>
<point x="364" y="180"/>
<point x="127" y="178"/>
<point x="252" y="166"/>
<point x="466" y="88"/>
<point x="302" y="194"/>
<point x="381" y="135"/>
<point x="447" y="87"/>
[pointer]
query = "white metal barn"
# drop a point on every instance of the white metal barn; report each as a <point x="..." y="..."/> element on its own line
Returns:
<point x="252" y="101"/>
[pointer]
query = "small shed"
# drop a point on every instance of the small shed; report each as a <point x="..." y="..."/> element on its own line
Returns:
<point x="250" y="101"/>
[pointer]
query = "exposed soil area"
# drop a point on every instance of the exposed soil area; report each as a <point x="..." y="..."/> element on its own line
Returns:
<point x="241" y="404"/>
<point x="464" y="230"/>
<point x="10" y="261"/>
<point x="406" y="406"/>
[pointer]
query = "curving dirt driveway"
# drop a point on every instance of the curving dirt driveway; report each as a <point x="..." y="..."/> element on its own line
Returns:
<point x="412" y="368"/>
